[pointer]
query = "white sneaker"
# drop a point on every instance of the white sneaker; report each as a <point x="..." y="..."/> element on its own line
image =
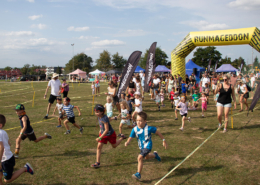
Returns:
<point x="224" y="131"/>
<point x="219" y="125"/>
<point x="181" y="129"/>
<point x="16" y="156"/>
<point x="189" y="119"/>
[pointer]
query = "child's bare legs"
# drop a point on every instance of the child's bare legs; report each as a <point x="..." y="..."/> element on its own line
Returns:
<point x="162" y="103"/>
<point x="18" y="144"/>
<point x="202" y="111"/>
<point x="133" y="116"/>
<point x="183" y="121"/>
<point x="15" y="175"/>
<point x="120" y="128"/>
<point x="118" y="107"/>
<point x="40" y="138"/>
<point x="117" y="142"/>
<point x="99" y="148"/>
<point x="176" y="116"/>
<point x="140" y="161"/>
<point x="59" y="119"/>
<point x="66" y="124"/>
<point x="76" y="125"/>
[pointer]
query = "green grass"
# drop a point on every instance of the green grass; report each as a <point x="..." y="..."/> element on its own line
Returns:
<point x="231" y="158"/>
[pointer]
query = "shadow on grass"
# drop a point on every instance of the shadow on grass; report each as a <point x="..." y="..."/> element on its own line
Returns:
<point x="70" y="153"/>
<point x="247" y="127"/>
<point x="186" y="171"/>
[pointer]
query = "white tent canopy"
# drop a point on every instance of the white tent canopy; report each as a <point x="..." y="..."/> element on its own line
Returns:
<point x="97" y="72"/>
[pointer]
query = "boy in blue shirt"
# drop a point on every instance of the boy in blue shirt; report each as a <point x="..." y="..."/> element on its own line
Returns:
<point x="143" y="133"/>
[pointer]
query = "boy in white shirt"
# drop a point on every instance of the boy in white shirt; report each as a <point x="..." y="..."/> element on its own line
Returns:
<point x="7" y="158"/>
<point x="59" y="106"/>
<point x="137" y="105"/>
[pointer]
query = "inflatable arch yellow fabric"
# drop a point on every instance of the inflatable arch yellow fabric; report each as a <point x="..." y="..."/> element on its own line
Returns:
<point x="241" y="36"/>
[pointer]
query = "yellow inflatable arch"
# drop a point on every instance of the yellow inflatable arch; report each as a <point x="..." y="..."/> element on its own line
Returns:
<point x="241" y="36"/>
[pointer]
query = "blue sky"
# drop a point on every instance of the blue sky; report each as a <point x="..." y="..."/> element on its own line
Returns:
<point x="41" y="32"/>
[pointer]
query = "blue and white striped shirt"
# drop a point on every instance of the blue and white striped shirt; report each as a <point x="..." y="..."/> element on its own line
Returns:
<point x="69" y="110"/>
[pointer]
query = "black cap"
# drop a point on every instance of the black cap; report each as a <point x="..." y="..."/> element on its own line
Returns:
<point x="99" y="107"/>
<point x="67" y="99"/>
<point x="19" y="107"/>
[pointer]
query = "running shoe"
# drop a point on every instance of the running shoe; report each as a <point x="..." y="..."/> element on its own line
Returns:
<point x="115" y="118"/>
<point x="45" y="117"/>
<point x="48" y="135"/>
<point x="181" y="129"/>
<point x="96" y="165"/>
<point x="29" y="168"/>
<point x="224" y="131"/>
<point x="123" y="136"/>
<point x="219" y="125"/>
<point x="67" y="132"/>
<point x="16" y="155"/>
<point x="81" y="130"/>
<point x="136" y="176"/>
<point x="157" y="156"/>
<point x="189" y="119"/>
<point x="176" y="118"/>
<point x="58" y="126"/>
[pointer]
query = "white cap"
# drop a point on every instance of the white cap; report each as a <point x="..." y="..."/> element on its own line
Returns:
<point x="55" y="75"/>
<point x="137" y="93"/>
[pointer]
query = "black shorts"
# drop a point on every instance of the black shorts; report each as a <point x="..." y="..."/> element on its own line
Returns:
<point x="8" y="168"/>
<point x="184" y="115"/>
<point x="115" y="100"/>
<point x="130" y="112"/>
<point x="72" y="120"/>
<point x="144" y="152"/>
<point x="65" y="94"/>
<point x="246" y="95"/>
<point x="60" y="115"/>
<point x="31" y="137"/>
<point x="52" y="98"/>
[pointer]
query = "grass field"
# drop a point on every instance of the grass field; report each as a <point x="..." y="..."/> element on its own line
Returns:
<point x="230" y="158"/>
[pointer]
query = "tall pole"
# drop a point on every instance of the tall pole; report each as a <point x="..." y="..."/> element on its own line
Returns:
<point x="73" y="55"/>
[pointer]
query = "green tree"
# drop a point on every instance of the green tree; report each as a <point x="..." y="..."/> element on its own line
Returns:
<point x="202" y="56"/>
<point x="118" y="61"/>
<point x="256" y="63"/>
<point x="7" y="68"/>
<point x="81" y="61"/>
<point x="25" y="69"/>
<point x="237" y="62"/>
<point x="104" y="61"/>
<point x="160" y="58"/>
<point x="58" y="71"/>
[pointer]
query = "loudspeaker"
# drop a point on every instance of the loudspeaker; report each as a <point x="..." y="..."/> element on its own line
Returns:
<point x="194" y="71"/>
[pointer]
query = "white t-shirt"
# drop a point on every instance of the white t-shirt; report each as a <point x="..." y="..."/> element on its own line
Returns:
<point x="242" y="88"/>
<point x="7" y="152"/>
<point x="205" y="80"/>
<point x="109" y="107"/>
<point x="124" y="113"/>
<point x="176" y="100"/>
<point x="184" y="108"/>
<point x="138" y="87"/>
<point x="59" y="106"/>
<point x="138" y="102"/>
<point x="55" y="87"/>
<point x="252" y="81"/>
<point x="156" y="81"/>
<point x="134" y="80"/>
<point x="157" y="97"/>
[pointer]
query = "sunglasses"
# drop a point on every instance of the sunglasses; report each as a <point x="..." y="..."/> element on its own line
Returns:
<point x="225" y="80"/>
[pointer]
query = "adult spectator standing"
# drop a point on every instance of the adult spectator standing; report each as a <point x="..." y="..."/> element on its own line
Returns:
<point x="143" y="83"/>
<point x="252" y="80"/>
<point x="114" y="79"/>
<point x="55" y="85"/>
<point x="170" y="83"/>
<point x="214" y="82"/>
<point x="141" y="74"/>
<point x="156" y="85"/>
<point x="179" y="79"/>
<point x="226" y="90"/>
<point x="205" y="79"/>
<point x="187" y="82"/>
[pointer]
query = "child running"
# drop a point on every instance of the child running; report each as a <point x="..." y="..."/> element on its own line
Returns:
<point x="27" y="130"/>
<point x="195" y="97"/>
<point x="59" y="106"/>
<point x="137" y="105"/>
<point x="183" y="108"/>
<point x="109" y="107"/>
<point x="143" y="133"/>
<point x="157" y="99"/>
<point x="68" y="108"/>
<point x="106" y="133"/>
<point x="93" y="88"/>
<point x="125" y="116"/>
<point x="204" y="100"/>
<point x="7" y="157"/>
<point x="171" y="96"/>
<point x="162" y="97"/>
<point x="176" y="99"/>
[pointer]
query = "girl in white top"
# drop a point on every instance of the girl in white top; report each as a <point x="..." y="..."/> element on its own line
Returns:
<point x="183" y="108"/>
<point x="109" y="107"/>
<point x="244" y="96"/>
<point x="125" y="117"/>
<point x="59" y="106"/>
<point x="162" y="97"/>
<point x="176" y="99"/>
<point x="157" y="99"/>
<point x="138" y="85"/>
<point x="137" y="105"/>
<point x="93" y="88"/>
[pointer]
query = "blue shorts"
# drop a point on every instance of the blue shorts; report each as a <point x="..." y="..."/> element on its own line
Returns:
<point x="183" y="90"/>
<point x="144" y="152"/>
<point x="224" y="105"/>
<point x="110" y="114"/>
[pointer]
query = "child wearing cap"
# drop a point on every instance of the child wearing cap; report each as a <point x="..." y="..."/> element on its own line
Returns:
<point x="7" y="157"/>
<point x="59" y="106"/>
<point x="143" y="133"/>
<point x="68" y="109"/>
<point x="137" y="105"/>
<point x="106" y="133"/>
<point x="27" y="130"/>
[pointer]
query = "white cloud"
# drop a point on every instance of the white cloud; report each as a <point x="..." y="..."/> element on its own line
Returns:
<point x="131" y="33"/>
<point x="72" y="28"/>
<point x="87" y="37"/>
<point x="31" y="1"/>
<point x="245" y="4"/>
<point x="34" y="17"/>
<point x="39" y="26"/>
<point x="19" y="33"/>
<point x="108" y="43"/>
<point x="204" y="25"/>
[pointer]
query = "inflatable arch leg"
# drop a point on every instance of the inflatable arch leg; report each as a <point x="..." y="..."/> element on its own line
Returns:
<point x="241" y="36"/>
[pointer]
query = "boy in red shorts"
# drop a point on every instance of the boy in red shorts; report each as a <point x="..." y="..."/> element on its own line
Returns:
<point x="106" y="133"/>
